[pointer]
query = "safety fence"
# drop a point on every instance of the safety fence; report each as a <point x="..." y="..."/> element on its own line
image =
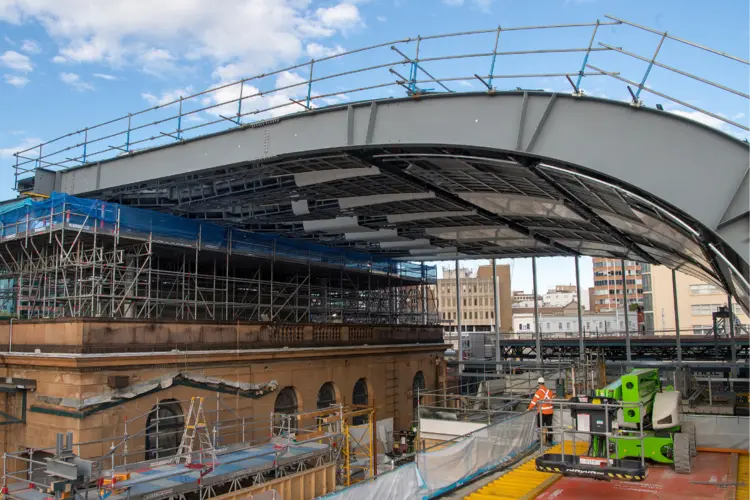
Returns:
<point x="426" y="65"/>
<point x="446" y="466"/>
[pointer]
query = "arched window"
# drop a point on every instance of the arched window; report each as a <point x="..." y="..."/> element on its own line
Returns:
<point x="360" y="396"/>
<point x="164" y="427"/>
<point x="286" y="403"/>
<point x="326" y="395"/>
<point x="417" y="388"/>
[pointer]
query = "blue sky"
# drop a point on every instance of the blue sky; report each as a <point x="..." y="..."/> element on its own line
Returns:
<point x="68" y="64"/>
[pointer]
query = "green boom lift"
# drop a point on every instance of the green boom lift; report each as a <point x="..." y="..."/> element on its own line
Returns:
<point x="669" y="438"/>
<point x="615" y="415"/>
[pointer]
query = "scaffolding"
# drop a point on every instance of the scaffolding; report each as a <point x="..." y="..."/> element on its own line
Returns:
<point x="356" y="446"/>
<point x="132" y="469"/>
<point x="69" y="257"/>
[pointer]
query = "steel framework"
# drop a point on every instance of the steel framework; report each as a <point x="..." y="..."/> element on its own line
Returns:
<point x="68" y="263"/>
<point x="324" y="84"/>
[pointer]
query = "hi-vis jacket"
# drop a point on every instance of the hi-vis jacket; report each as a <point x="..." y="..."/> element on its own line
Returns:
<point x="545" y="396"/>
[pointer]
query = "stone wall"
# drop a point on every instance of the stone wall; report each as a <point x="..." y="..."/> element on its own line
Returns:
<point x="389" y="372"/>
<point x="92" y="335"/>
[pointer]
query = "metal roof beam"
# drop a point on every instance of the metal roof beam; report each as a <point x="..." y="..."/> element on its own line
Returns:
<point x="578" y="206"/>
<point x="457" y="200"/>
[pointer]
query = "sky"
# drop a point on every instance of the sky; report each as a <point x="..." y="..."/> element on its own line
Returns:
<point x="69" y="64"/>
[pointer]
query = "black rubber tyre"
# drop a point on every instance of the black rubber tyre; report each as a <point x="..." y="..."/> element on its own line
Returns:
<point x="683" y="462"/>
<point x="689" y="429"/>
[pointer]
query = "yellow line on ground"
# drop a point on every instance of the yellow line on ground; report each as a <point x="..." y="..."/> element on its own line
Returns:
<point x="743" y="476"/>
<point x="524" y="481"/>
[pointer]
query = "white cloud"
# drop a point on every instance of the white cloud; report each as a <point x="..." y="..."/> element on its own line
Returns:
<point x="58" y="59"/>
<point x="27" y="143"/>
<point x="241" y="37"/>
<point x="316" y="50"/>
<point x="167" y="96"/>
<point x="341" y="16"/>
<point x="75" y="81"/>
<point x="15" y="80"/>
<point x="293" y="87"/>
<point x="466" y="83"/>
<point x="710" y="121"/>
<point x="381" y="19"/>
<point x="483" y="5"/>
<point x="104" y="76"/>
<point x="30" y="47"/>
<point x="699" y="117"/>
<point x="158" y="62"/>
<point x="14" y="60"/>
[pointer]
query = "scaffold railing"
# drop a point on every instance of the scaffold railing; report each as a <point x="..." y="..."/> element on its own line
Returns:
<point x="71" y="257"/>
<point x="122" y="221"/>
<point x="245" y="454"/>
<point x="423" y="65"/>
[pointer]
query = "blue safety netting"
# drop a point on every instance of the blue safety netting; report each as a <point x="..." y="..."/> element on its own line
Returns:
<point x="106" y="216"/>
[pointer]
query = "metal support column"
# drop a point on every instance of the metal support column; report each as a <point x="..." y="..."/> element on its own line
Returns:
<point x="732" y="342"/>
<point x="676" y="316"/>
<point x="581" y="347"/>
<point x="424" y="295"/>
<point x="537" y="334"/>
<point x="458" y="325"/>
<point x="628" y="354"/>
<point x="496" y="302"/>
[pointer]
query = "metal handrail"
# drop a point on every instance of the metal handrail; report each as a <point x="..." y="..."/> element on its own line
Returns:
<point x="77" y="148"/>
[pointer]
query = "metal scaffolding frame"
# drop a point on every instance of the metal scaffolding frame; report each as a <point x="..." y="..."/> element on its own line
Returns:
<point x="23" y="471"/>
<point x="69" y="264"/>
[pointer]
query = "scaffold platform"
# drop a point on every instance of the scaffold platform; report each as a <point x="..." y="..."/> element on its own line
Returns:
<point x="157" y="479"/>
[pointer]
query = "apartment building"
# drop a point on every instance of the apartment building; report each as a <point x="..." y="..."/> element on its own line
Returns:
<point x="560" y="296"/>
<point x="521" y="296"/>
<point x="608" y="287"/>
<point x="696" y="302"/>
<point x="564" y="321"/>
<point x="477" y="301"/>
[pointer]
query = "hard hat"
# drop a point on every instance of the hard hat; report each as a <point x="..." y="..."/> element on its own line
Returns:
<point x="540" y="380"/>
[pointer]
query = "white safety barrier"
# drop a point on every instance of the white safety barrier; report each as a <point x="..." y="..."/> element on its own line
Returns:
<point x="402" y="483"/>
<point x="721" y="431"/>
<point x="480" y="450"/>
<point x="437" y="471"/>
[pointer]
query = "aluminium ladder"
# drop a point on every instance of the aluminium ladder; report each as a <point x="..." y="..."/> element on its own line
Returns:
<point x="196" y="425"/>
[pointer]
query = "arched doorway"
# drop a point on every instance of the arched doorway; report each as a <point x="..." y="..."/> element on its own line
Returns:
<point x="286" y="403"/>
<point x="360" y="396"/>
<point x="327" y="395"/>
<point x="418" y="386"/>
<point x="164" y="427"/>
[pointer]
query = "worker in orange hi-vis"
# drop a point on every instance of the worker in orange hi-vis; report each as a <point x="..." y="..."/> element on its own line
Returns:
<point x="543" y="397"/>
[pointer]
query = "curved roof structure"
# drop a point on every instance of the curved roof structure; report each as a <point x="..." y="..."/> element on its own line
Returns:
<point x="463" y="176"/>
<point x="437" y="176"/>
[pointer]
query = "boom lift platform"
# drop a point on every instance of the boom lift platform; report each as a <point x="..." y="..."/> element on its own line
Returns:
<point x="629" y="421"/>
